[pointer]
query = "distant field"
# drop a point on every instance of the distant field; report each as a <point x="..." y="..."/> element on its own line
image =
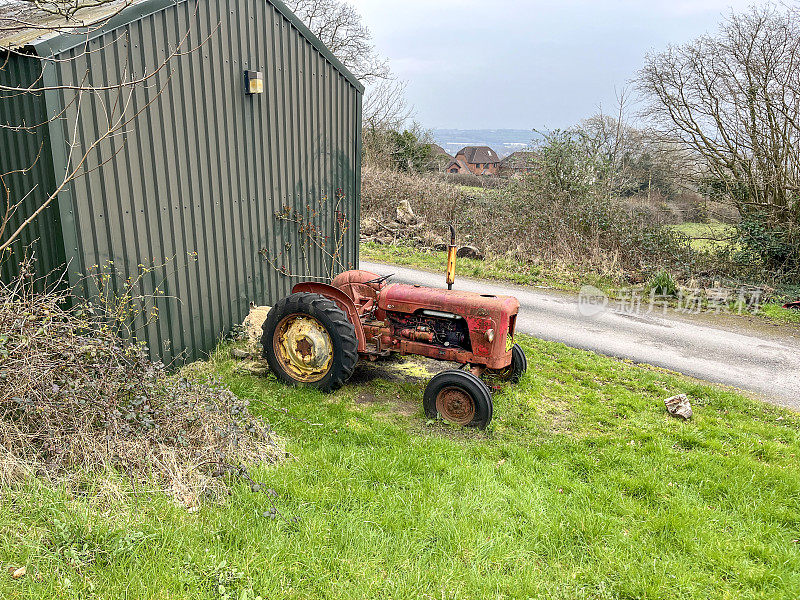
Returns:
<point x="707" y="237"/>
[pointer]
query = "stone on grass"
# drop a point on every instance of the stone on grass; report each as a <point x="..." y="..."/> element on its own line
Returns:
<point x="679" y="406"/>
<point x="470" y="252"/>
<point x="252" y="325"/>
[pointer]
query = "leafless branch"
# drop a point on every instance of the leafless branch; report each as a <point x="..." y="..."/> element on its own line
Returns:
<point x="114" y="101"/>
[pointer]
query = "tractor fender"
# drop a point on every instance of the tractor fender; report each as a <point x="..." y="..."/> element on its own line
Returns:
<point x="342" y="300"/>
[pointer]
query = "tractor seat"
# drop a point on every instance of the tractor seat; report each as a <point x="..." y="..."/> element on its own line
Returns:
<point x="364" y="295"/>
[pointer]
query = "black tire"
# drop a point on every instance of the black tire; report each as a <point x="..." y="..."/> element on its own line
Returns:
<point x="342" y="334"/>
<point x="468" y="389"/>
<point x="514" y="372"/>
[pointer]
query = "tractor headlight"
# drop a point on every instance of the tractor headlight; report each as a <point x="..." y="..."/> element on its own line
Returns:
<point x="490" y="335"/>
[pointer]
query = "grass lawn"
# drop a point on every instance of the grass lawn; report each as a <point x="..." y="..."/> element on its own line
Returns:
<point x="707" y="237"/>
<point x="776" y="312"/>
<point x="582" y="488"/>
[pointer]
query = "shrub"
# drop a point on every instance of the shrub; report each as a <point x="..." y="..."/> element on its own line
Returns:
<point x="470" y="180"/>
<point x="662" y="284"/>
<point x="75" y="400"/>
<point x="776" y="245"/>
<point x="526" y="223"/>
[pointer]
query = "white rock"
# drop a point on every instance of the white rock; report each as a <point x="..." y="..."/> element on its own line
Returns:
<point x="679" y="406"/>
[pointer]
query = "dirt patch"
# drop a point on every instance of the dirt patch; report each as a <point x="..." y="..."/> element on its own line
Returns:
<point x="410" y="369"/>
<point x="558" y="416"/>
<point x="367" y="398"/>
<point x="408" y="408"/>
<point x="390" y="404"/>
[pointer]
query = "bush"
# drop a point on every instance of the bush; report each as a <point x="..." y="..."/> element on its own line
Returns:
<point x="76" y="400"/>
<point x="527" y="224"/>
<point x="778" y="247"/>
<point x="662" y="284"/>
<point x="470" y="180"/>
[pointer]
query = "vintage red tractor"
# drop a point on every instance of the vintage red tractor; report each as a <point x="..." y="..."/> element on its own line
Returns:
<point x="317" y="335"/>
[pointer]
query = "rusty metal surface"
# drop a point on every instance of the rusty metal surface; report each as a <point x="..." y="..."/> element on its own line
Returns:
<point x="304" y="348"/>
<point x="456" y="406"/>
<point x="378" y="315"/>
<point x="481" y="312"/>
<point x="389" y="340"/>
<point x="387" y="318"/>
<point x="342" y="300"/>
<point x="362" y="288"/>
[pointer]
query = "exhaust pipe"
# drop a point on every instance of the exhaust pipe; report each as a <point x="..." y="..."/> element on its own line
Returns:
<point x="451" y="258"/>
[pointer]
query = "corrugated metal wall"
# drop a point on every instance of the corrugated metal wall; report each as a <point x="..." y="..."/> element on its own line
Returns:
<point x="25" y="156"/>
<point x="205" y="168"/>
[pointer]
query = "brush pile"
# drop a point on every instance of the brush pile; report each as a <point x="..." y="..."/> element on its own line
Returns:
<point x="76" y="400"/>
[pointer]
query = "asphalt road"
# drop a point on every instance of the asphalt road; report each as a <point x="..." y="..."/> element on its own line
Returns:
<point x="748" y="354"/>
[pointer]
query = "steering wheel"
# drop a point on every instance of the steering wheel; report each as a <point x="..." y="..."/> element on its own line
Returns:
<point x="379" y="280"/>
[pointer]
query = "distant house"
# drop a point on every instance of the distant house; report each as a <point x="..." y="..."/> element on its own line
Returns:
<point x="517" y="163"/>
<point x="440" y="157"/>
<point x="477" y="160"/>
<point x="439" y="151"/>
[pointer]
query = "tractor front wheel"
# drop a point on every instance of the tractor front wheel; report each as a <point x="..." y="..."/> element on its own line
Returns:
<point x="309" y="340"/>
<point x="513" y="372"/>
<point x="459" y="397"/>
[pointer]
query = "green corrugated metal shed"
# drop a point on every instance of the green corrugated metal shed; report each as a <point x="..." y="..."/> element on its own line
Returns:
<point x="204" y="169"/>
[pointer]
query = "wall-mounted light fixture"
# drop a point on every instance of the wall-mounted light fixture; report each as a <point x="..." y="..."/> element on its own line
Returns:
<point x="253" y="83"/>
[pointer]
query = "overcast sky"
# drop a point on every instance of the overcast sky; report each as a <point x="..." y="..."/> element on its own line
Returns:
<point x="490" y="64"/>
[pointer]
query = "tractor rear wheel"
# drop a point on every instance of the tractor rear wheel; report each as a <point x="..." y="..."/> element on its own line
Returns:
<point x="459" y="397"/>
<point x="513" y="372"/>
<point x="309" y="340"/>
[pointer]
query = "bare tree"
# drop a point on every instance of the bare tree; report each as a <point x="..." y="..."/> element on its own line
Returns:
<point x="113" y="102"/>
<point x="636" y="161"/>
<point x="341" y="28"/>
<point x="733" y="100"/>
<point x="385" y="105"/>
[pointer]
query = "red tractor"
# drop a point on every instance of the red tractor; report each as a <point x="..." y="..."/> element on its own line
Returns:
<point x="317" y="335"/>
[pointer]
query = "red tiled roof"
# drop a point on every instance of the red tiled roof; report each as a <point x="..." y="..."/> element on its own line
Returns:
<point x="479" y="155"/>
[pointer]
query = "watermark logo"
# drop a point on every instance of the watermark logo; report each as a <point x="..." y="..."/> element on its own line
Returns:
<point x="592" y="301"/>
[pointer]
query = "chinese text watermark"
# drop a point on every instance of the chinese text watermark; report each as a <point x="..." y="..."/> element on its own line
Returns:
<point x="593" y="302"/>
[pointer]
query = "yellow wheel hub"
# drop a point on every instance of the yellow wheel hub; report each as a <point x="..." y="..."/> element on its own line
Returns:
<point x="304" y="348"/>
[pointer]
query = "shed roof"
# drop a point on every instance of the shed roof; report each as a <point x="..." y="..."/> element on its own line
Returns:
<point x="23" y="25"/>
<point x="479" y="155"/>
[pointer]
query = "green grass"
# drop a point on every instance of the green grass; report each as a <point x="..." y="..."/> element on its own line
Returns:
<point x="564" y="277"/>
<point x="708" y="237"/>
<point x="473" y="188"/>
<point x="582" y="488"/>
<point x="776" y="312"/>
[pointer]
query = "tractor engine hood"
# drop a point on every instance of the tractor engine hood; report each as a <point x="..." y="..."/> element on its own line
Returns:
<point x="490" y="319"/>
<point x="411" y="299"/>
